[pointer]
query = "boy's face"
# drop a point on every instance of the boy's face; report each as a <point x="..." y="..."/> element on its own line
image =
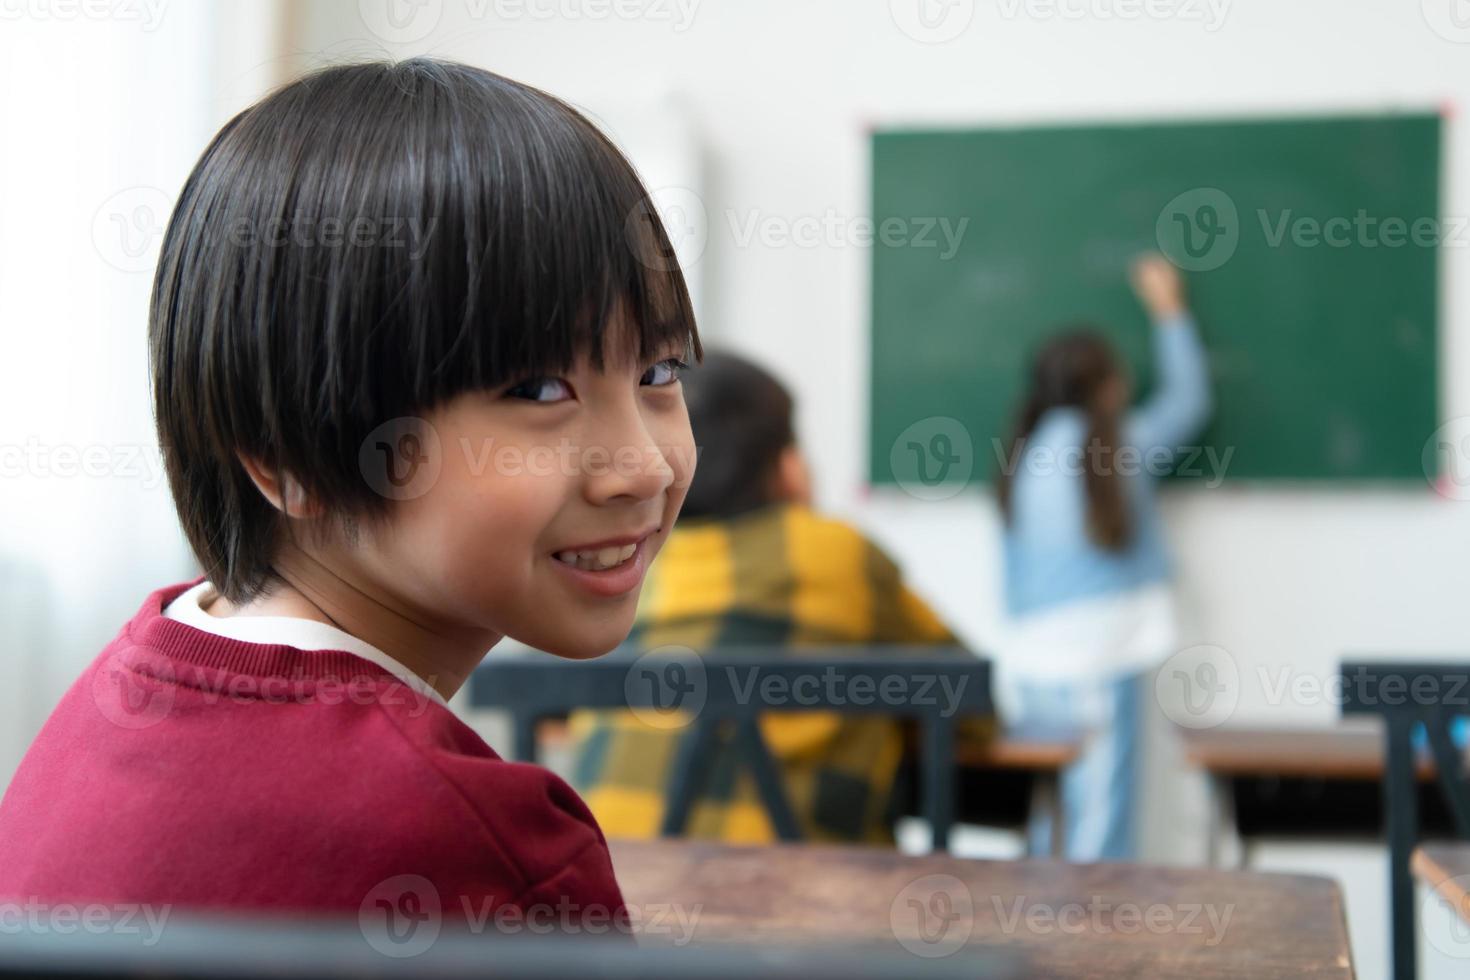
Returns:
<point x="541" y="468"/>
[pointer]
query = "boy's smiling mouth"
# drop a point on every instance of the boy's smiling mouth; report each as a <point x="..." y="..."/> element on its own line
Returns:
<point x="599" y="560"/>
<point x="606" y="553"/>
<point x="611" y="567"/>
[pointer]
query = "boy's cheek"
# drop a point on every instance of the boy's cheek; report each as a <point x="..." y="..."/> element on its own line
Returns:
<point x="496" y="526"/>
<point x="682" y="457"/>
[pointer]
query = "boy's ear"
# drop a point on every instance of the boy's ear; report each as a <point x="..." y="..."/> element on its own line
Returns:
<point x="282" y="490"/>
<point x="791" y="481"/>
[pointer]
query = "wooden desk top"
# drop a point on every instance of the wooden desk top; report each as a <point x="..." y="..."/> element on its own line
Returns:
<point x="1017" y="748"/>
<point x="1021" y="747"/>
<point x="1446" y="869"/>
<point x="1327" y="753"/>
<point x="1064" y="920"/>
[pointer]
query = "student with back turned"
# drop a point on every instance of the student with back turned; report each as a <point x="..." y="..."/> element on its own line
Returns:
<point x="1086" y="567"/>
<point x="753" y="563"/>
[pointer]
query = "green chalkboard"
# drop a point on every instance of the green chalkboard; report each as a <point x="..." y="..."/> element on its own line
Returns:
<point x="1322" y="332"/>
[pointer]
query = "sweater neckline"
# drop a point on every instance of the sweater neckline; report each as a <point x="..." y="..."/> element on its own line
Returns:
<point x="187" y="644"/>
<point x="306" y="635"/>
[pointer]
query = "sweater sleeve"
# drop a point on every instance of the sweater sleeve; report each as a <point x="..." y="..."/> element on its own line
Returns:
<point x="544" y="830"/>
<point x="1180" y="404"/>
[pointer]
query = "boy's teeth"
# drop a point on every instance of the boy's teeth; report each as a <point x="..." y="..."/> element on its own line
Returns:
<point x="602" y="558"/>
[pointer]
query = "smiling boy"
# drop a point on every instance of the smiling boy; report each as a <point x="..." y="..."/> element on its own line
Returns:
<point x="273" y="735"/>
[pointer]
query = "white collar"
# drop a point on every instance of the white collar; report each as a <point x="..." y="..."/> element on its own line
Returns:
<point x="303" y="634"/>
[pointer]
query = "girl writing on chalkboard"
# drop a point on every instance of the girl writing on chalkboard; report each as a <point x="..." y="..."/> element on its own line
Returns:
<point x="1086" y="567"/>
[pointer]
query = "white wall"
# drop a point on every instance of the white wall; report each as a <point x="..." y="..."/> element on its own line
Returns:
<point x="94" y="148"/>
<point x="783" y="93"/>
<point x="103" y="110"/>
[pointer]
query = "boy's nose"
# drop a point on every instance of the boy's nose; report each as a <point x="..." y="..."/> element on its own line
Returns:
<point x="632" y="470"/>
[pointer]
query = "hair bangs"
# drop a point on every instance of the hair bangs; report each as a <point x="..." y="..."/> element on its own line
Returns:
<point x="549" y="247"/>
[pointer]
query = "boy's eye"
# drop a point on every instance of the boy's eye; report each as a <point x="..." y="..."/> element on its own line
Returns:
<point x="540" y="390"/>
<point x="664" y="372"/>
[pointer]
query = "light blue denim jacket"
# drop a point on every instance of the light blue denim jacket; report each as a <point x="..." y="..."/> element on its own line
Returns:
<point x="1049" y="558"/>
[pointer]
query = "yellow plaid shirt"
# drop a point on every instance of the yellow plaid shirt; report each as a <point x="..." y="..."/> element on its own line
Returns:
<point x="781" y="575"/>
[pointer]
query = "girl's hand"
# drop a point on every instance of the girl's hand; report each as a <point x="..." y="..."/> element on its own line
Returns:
<point x="1158" y="286"/>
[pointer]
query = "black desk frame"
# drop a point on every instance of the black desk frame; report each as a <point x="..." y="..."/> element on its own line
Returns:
<point x="1406" y="694"/>
<point x="539" y="686"/>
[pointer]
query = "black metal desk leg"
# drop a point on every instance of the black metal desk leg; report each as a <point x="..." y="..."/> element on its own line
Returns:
<point x="939" y="778"/>
<point x="523" y="735"/>
<point x="752" y="747"/>
<point x="1400" y="805"/>
<point x="1449" y="768"/>
<point x="691" y="759"/>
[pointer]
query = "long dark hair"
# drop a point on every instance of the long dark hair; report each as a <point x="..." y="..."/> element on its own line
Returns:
<point x="1071" y="370"/>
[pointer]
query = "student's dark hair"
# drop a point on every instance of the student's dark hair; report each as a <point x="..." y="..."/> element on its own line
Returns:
<point x="1070" y="371"/>
<point x="362" y="246"/>
<point x="742" y="420"/>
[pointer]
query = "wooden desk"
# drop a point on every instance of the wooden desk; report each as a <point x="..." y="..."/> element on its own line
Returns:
<point x="1065" y="920"/>
<point x="1022" y="747"/>
<point x="1446" y="869"/>
<point x="1040" y="753"/>
<point x="1329" y="753"/>
<point x="1226" y="755"/>
<point x="1041" y="750"/>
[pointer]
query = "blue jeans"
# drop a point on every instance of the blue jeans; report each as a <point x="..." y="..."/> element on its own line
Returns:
<point x="1099" y="791"/>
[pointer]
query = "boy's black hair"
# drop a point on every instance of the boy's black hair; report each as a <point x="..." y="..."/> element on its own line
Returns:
<point x="742" y="420"/>
<point x="363" y="245"/>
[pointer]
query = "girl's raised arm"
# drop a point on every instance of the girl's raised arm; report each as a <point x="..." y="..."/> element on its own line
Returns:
<point x="1180" y="403"/>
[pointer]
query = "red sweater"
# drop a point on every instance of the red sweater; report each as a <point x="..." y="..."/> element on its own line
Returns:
<point x="200" y="771"/>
